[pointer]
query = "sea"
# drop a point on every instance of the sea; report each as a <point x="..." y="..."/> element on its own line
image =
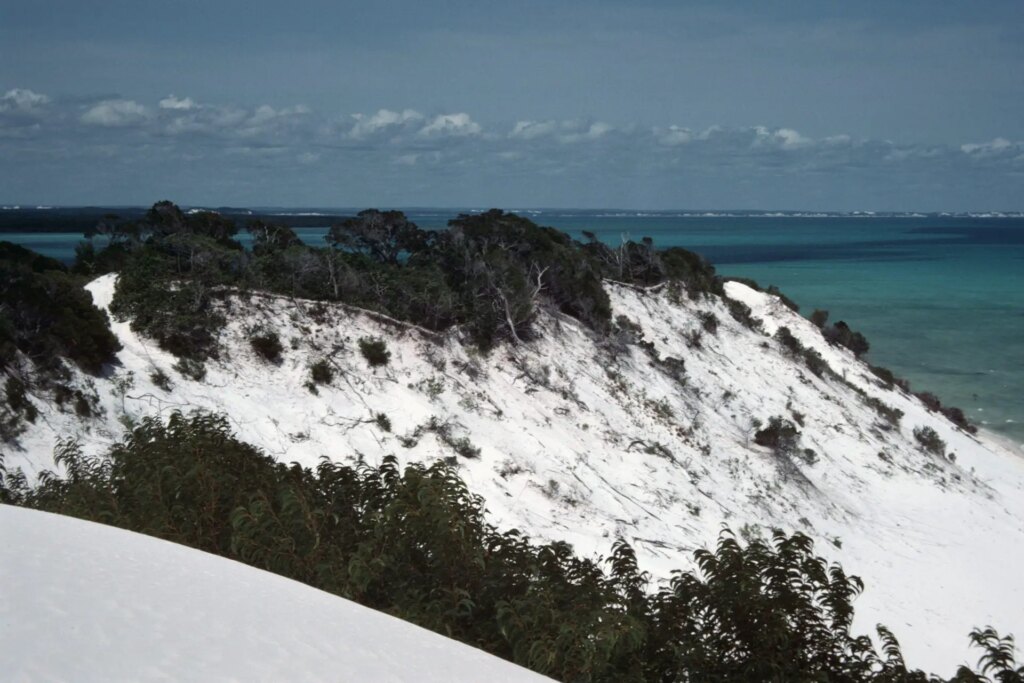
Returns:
<point x="940" y="297"/>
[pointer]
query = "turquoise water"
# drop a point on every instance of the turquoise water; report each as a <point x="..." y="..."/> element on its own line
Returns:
<point x="941" y="299"/>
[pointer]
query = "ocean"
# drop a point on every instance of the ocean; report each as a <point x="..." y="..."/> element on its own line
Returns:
<point x="940" y="298"/>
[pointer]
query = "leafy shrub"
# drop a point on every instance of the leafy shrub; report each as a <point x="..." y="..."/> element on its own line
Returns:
<point x="375" y="351"/>
<point x="815" y="363"/>
<point x="786" y="301"/>
<point x="788" y="341"/>
<point x="890" y="414"/>
<point x="159" y="378"/>
<point x="383" y="421"/>
<point x="841" y="334"/>
<point x="819" y="318"/>
<point x="192" y="368"/>
<point x="415" y="543"/>
<point x="889" y="378"/>
<point x="930" y="440"/>
<point x="709" y="321"/>
<point x="267" y="346"/>
<point x="741" y="313"/>
<point x="321" y="372"/>
<point x="957" y="417"/>
<point x="780" y="435"/>
<point x="930" y="400"/>
<point x="47" y="315"/>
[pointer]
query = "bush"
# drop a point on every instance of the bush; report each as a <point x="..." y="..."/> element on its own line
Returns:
<point x="841" y="334"/>
<point x="321" y="372"/>
<point x="383" y="421"/>
<point x="788" y="341"/>
<point x="415" y="543"/>
<point x="819" y="318"/>
<point x="159" y="378"/>
<point x="267" y="346"/>
<point x="375" y="351"/>
<point x="929" y="440"/>
<point x="709" y="321"/>
<point x="780" y="435"/>
<point x="786" y="301"/>
<point x="815" y="363"/>
<point x="47" y="315"/>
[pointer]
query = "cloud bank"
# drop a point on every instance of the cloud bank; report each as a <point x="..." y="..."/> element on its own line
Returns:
<point x="411" y="157"/>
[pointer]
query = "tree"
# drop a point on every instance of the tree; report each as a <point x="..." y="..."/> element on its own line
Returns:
<point x="383" y="235"/>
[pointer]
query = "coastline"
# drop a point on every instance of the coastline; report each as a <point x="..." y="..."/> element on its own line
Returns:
<point x="1008" y="443"/>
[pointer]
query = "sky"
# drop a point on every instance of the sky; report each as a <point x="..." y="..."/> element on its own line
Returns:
<point x="910" y="105"/>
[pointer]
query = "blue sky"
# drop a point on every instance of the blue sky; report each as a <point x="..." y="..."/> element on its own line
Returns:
<point x="806" y="105"/>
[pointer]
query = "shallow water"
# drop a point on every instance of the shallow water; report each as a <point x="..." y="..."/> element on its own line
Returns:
<point x="941" y="299"/>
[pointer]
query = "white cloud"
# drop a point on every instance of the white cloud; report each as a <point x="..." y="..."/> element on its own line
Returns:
<point x="594" y="131"/>
<point x="115" y="113"/>
<point x="995" y="148"/>
<point x="179" y="104"/>
<point x="383" y="120"/>
<point x="673" y="135"/>
<point x="453" y="125"/>
<point x="528" y="130"/>
<point x="22" y="101"/>
<point x="782" y="138"/>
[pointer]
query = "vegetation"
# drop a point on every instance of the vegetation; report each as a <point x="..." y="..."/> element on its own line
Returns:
<point x="780" y="435"/>
<point x="414" y="543"/>
<point x="267" y="345"/>
<point x="321" y="372"/>
<point x="489" y="273"/>
<point x="930" y="440"/>
<point x="375" y="351"/>
<point x="46" y="316"/>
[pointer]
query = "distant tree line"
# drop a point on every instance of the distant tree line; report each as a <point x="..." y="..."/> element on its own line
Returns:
<point x="414" y="543"/>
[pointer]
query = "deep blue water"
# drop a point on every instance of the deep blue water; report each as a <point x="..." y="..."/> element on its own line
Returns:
<point x="941" y="299"/>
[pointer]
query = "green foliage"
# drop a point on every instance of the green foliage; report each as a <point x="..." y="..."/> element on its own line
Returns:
<point x="160" y="379"/>
<point x="267" y="345"/>
<point x="788" y="341"/>
<point x="375" y="351"/>
<point x="819" y="317"/>
<point x="414" y="543"/>
<point x="841" y="334"/>
<point x="780" y="435"/>
<point x="786" y="301"/>
<point x="930" y="440"/>
<point x="46" y="315"/>
<point x="321" y="372"/>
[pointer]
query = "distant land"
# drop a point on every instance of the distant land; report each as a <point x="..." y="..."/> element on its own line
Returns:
<point x="18" y="218"/>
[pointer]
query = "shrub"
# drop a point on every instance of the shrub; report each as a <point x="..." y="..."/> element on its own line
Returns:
<point x="382" y="421"/>
<point x="819" y="317"/>
<point x="267" y="346"/>
<point x="709" y="321"/>
<point x="191" y="368"/>
<point x="47" y="315"/>
<point x="957" y="417"/>
<point x="929" y="440"/>
<point x="159" y="378"/>
<point x="321" y="372"/>
<point x="841" y="334"/>
<point x="780" y="435"/>
<point x="415" y="543"/>
<point x="788" y="341"/>
<point x="375" y="351"/>
<point x="930" y="400"/>
<point x="815" y="363"/>
<point x="786" y="301"/>
<point x="889" y="378"/>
